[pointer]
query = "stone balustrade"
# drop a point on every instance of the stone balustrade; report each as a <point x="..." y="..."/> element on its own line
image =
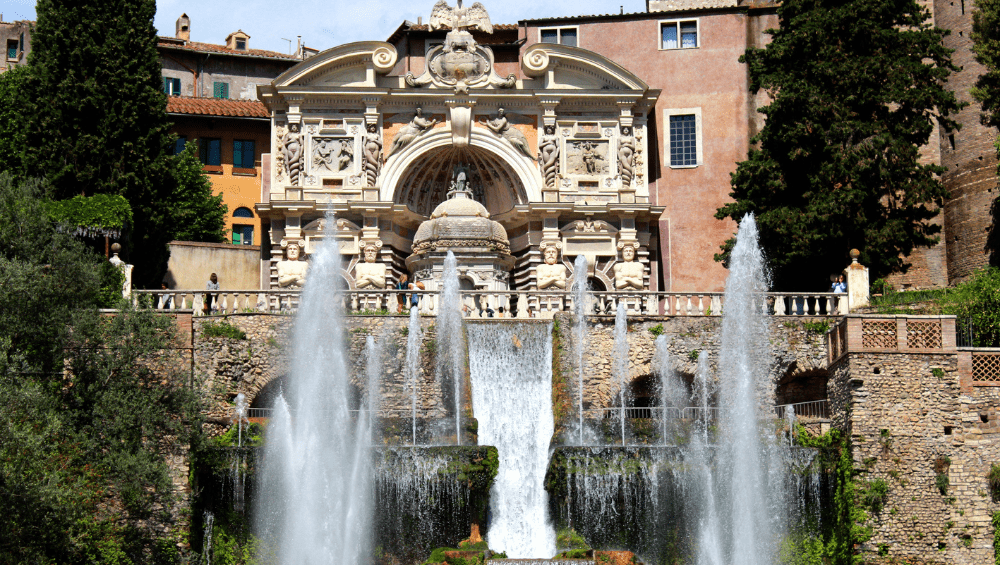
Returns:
<point x="890" y="334"/>
<point x="482" y="304"/>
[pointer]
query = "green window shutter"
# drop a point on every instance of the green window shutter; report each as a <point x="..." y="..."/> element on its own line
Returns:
<point x="221" y="90"/>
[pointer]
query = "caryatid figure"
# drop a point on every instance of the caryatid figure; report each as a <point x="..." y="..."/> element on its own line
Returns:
<point x="552" y="273"/>
<point x="370" y="275"/>
<point x="629" y="272"/>
<point x="292" y="271"/>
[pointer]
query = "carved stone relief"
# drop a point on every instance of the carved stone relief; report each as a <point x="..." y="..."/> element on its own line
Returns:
<point x="279" y="158"/>
<point x="500" y="125"/>
<point x="291" y="150"/>
<point x="332" y="154"/>
<point x="587" y="157"/>
<point x="372" y="155"/>
<point x="548" y="156"/>
<point x="417" y="126"/>
<point x="629" y="273"/>
<point x="626" y="156"/>
<point x="639" y="156"/>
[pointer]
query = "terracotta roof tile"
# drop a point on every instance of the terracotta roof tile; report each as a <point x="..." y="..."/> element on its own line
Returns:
<point x="216" y="107"/>
<point x="213" y="48"/>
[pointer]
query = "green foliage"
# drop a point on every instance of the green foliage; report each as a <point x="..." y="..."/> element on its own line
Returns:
<point x="569" y="539"/>
<point x="222" y="328"/>
<point x="977" y="301"/>
<point x="993" y="478"/>
<point x="198" y="214"/>
<point x="816" y="327"/>
<point x="942" y="483"/>
<point x="801" y="549"/>
<point x="693" y="355"/>
<point x="656" y="330"/>
<point x="112" y="280"/>
<point x="12" y="118"/>
<point x="92" y="213"/>
<point x="856" y="88"/>
<point x="938" y="372"/>
<point x="875" y="495"/>
<point x="995" y="522"/>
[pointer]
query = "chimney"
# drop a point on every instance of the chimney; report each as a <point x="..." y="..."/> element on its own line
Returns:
<point x="184" y="28"/>
<point x="237" y="40"/>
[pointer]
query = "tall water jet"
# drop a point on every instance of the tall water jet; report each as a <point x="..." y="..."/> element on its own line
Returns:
<point x="451" y="361"/>
<point x="620" y="363"/>
<point x="746" y="447"/>
<point x="240" y="416"/>
<point x="512" y="399"/>
<point x="671" y="390"/>
<point x="315" y="480"/>
<point x="414" y="337"/>
<point x="698" y="456"/>
<point x="580" y="329"/>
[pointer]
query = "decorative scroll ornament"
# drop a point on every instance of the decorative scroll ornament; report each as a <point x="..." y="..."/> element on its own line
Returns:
<point x="501" y="126"/>
<point x="460" y="63"/>
<point x="372" y="155"/>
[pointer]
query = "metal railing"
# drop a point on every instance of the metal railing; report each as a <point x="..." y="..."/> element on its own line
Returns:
<point x="816" y="409"/>
<point x="520" y="304"/>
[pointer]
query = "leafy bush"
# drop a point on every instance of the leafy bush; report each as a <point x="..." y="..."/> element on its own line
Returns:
<point x="876" y="495"/>
<point x="222" y="328"/>
<point x="816" y="327"/>
<point x="656" y="330"/>
<point x="977" y="302"/>
<point x="942" y="483"/>
<point x="993" y="477"/>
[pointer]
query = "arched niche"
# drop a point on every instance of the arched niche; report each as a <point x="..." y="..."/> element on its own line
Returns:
<point x="508" y="177"/>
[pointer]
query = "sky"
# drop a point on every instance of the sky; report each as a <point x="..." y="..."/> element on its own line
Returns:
<point x="327" y="23"/>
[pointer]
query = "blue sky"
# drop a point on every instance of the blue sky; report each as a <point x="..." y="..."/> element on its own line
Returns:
<point x="326" y="23"/>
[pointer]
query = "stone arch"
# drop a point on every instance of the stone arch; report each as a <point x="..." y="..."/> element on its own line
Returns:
<point x="498" y="157"/>
<point x="801" y="386"/>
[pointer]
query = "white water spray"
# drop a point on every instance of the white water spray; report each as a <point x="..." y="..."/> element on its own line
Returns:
<point x="373" y="372"/>
<point x="414" y="338"/>
<point x="315" y="481"/>
<point x="620" y="363"/>
<point x="512" y="399"/>
<point x="451" y="362"/>
<point x="580" y="302"/>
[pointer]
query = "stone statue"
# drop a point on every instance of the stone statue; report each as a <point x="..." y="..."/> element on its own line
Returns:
<point x="548" y="156"/>
<point x="291" y="149"/>
<point x="626" y="156"/>
<point x="629" y="272"/>
<point x="372" y="155"/>
<point x="279" y="157"/>
<point x="589" y="158"/>
<point x="292" y="271"/>
<point x="551" y="273"/>
<point x="370" y="275"/>
<point x="418" y="125"/>
<point x="460" y="18"/>
<point x="501" y="127"/>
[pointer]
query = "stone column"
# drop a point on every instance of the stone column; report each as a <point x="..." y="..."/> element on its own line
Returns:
<point x="857" y="282"/>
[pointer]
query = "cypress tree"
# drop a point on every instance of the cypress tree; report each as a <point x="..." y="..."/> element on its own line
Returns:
<point x="856" y="88"/>
<point x="96" y="120"/>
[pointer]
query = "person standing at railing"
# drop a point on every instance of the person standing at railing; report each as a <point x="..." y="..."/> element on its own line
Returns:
<point x="840" y="285"/>
<point x="403" y="284"/>
<point x="213" y="284"/>
<point x="165" y="297"/>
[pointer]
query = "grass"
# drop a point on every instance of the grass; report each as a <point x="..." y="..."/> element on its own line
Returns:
<point x="222" y="328"/>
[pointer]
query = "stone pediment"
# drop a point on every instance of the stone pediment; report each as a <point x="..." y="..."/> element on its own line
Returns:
<point x="353" y="64"/>
<point x="571" y="68"/>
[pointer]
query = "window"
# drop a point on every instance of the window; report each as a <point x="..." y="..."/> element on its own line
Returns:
<point x="179" y="144"/>
<point x="683" y="127"/>
<point x="243" y="154"/>
<point x="220" y="90"/>
<point x="241" y="44"/>
<point x="210" y="151"/>
<point x="242" y="212"/>
<point x="561" y="35"/>
<point x="242" y="235"/>
<point x="681" y="34"/>
<point x="172" y="86"/>
<point x="12" y="49"/>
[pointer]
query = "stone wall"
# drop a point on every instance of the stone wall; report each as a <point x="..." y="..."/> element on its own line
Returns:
<point x="909" y="422"/>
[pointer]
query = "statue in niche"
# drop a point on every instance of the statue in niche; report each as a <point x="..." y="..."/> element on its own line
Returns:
<point x="501" y="127"/>
<point x="548" y="156"/>
<point x="370" y="275"/>
<point x="626" y="156"/>
<point x="417" y="126"/>
<point x="551" y="273"/>
<point x="629" y="272"/>
<point x="589" y="158"/>
<point x="279" y="157"/>
<point x="291" y="150"/>
<point x="372" y="155"/>
<point x="292" y="271"/>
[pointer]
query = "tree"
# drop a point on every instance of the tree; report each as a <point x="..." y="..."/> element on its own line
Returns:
<point x="95" y="115"/>
<point x="85" y="418"/>
<point x="198" y="214"/>
<point x="12" y="124"/>
<point x="986" y="46"/>
<point x="856" y="88"/>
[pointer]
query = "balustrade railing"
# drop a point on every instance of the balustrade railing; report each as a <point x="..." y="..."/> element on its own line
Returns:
<point x="520" y="304"/>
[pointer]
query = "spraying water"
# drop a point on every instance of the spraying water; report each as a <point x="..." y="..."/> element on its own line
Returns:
<point x="206" y="544"/>
<point x="451" y="363"/>
<point x="672" y="392"/>
<point x="240" y="415"/>
<point x="373" y="372"/>
<point x="580" y="328"/>
<point x="414" y="338"/>
<point x="753" y="494"/>
<point x="620" y="362"/>
<point x="512" y="398"/>
<point x="315" y="476"/>
<point x="698" y="455"/>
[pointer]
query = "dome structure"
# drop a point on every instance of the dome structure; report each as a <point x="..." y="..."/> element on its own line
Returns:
<point x="460" y="222"/>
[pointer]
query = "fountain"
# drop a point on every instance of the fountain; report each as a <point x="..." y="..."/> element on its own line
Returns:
<point x="512" y="398"/>
<point x="315" y="492"/>
<point x="414" y="337"/>
<point x="580" y="296"/>
<point x="451" y="360"/>
<point x="619" y="365"/>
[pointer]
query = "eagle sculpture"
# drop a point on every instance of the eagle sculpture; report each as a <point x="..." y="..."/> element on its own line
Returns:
<point x="460" y="17"/>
